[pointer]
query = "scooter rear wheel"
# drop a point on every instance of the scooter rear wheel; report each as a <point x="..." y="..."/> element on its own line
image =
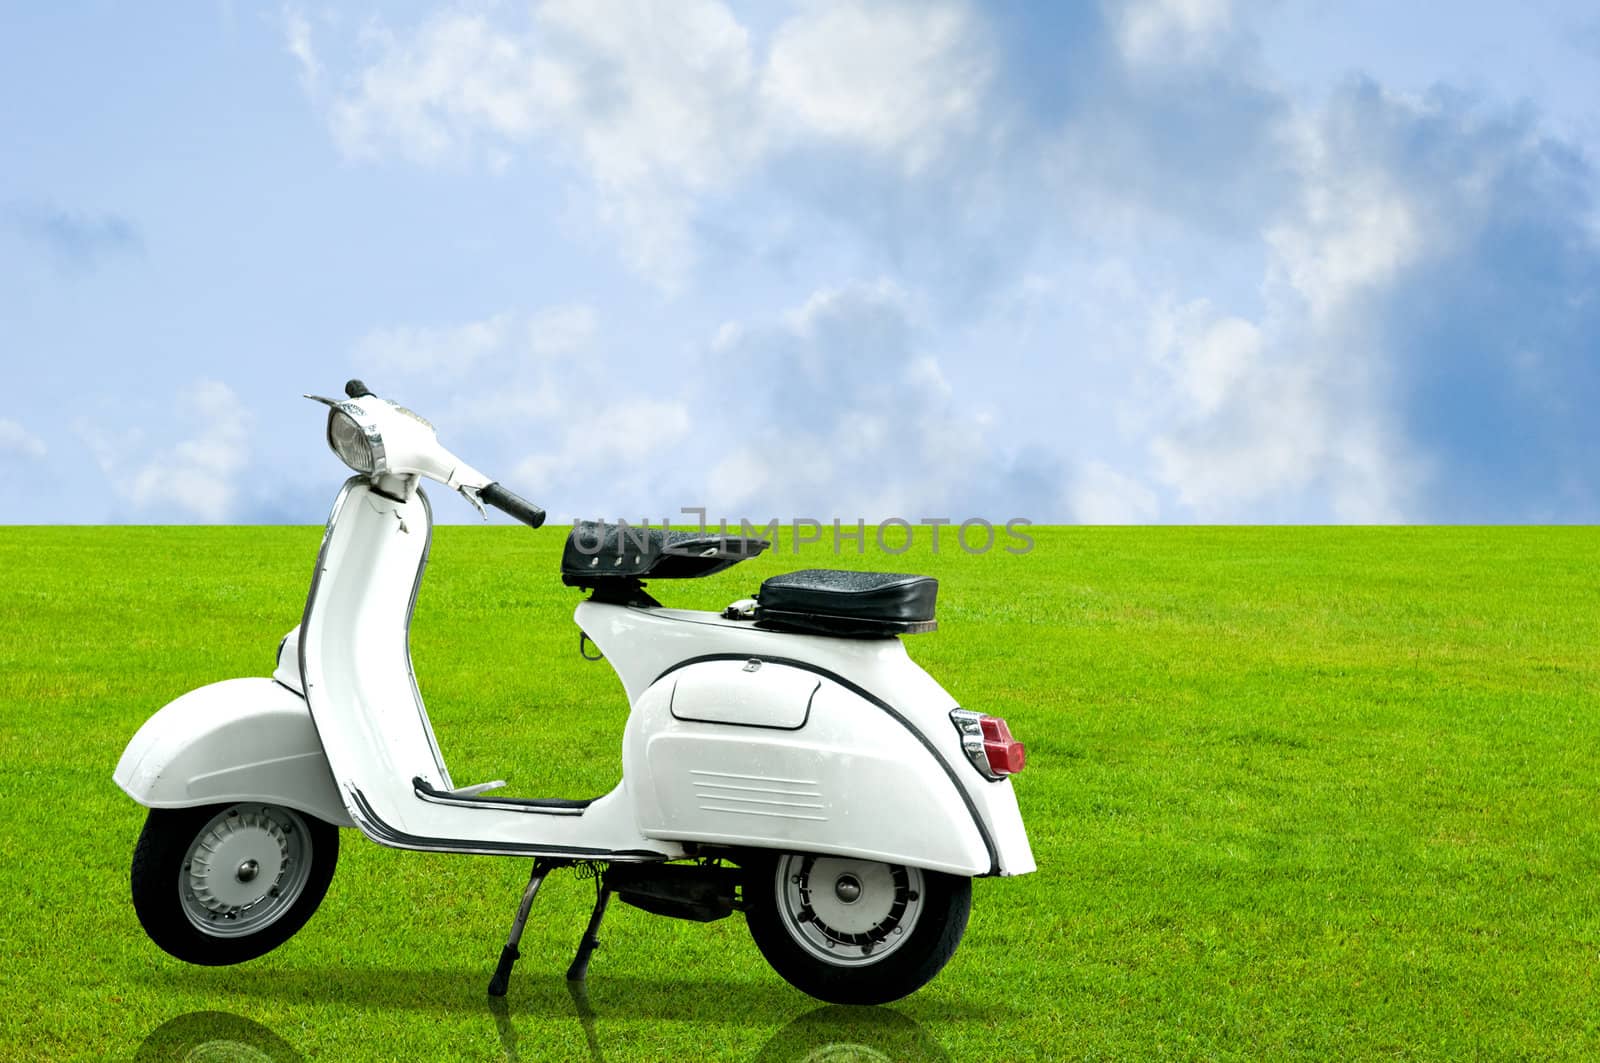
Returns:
<point x="221" y="884"/>
<point x="852" y="931"/>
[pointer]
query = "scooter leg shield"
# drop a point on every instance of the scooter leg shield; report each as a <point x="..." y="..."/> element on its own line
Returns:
<point x="238" y="740"/>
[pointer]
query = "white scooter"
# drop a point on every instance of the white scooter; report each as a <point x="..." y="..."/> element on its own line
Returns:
<point x="784" y="758"/>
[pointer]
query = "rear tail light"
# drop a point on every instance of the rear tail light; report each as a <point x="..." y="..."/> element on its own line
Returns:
<point x="987" y="742"/>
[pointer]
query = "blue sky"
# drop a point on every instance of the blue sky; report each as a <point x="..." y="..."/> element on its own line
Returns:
<point x="1152" y="261"/>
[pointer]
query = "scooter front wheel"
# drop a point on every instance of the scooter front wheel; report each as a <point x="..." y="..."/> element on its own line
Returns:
<point x="221" y="884"/>
<point x="852" y="931"/>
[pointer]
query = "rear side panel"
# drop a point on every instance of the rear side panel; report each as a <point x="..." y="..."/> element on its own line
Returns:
<point x="840" y="776"/>
<point x="898" y="706"/>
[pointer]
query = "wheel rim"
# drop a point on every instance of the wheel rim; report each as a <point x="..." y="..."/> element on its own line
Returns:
<point x="848" y="912"/>
<point x="244" y="869"/>
<point x="227" y="1052"/>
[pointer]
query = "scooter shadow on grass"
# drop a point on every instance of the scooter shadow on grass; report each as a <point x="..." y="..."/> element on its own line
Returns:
<point x="614" y="996"/>
<point x="214" y="1035"/>
<point x="831" y="1032"/>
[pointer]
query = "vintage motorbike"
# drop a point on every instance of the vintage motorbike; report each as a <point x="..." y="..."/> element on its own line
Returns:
<point x="784" y="758"/>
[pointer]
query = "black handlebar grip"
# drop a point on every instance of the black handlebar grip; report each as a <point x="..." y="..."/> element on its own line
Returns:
<point x="355" y="389"/>
<point x="512" y="505"/>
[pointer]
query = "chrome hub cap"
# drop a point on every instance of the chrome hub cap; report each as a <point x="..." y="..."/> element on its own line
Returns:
<point x="845" y="911"/>
<point x="247" y="866"/>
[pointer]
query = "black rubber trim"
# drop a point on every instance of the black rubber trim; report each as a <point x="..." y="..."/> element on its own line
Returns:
<point x="374" y="827"/>
<point x="966" y="799"/>
<point x="550" y="806"/>
<point x="672" y="708"/>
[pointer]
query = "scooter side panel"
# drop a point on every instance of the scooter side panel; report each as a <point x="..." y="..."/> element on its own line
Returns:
<point x="238" y="740"/>
<point x="642" y="644"/>
<point x="852" y="780"/>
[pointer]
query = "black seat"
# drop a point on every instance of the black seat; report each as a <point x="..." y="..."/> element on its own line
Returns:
<point x="825" y="601"/>
<point x="599" y="555"/>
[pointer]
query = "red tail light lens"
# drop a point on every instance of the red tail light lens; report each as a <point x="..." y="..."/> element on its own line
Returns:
<point x="987" y="742"/>
<point x="1005" y="754"/>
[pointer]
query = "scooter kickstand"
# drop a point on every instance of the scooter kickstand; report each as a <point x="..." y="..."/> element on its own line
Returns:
<point x="579" y="970"/>
<point x="509" y="955"/>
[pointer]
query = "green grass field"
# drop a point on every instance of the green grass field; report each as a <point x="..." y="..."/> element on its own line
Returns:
<point x="1293" y="793"/>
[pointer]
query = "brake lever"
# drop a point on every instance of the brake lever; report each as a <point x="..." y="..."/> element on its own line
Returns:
<point x="470" y="493"/>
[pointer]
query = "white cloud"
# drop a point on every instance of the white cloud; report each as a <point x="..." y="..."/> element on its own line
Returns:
<point x="844" y="411"/>
<point x="561" y="330"/>
<point x="1099" y="494"/>
<point x="1260" y="417"/>
<point x="1292" y="410"/>
<point x="728" y="335"/>
<point x="455" y="350"/>
<point x="14" y="439"/>
<point x="1157" y="32"/>
<point x="663" y="106"/>
<point x="737" y="479"/>
<point x="1285" y="396"/>
<point x="297" y="38"/>
<point x="433" y="93"/>
<point x="651" y="96"/>
<point x="1247" y="426"/>
<point x="1355" y="229"/>
<point x="526" y="394"/>
<point x="619" y="443"/>
<point x="197" y="477"/>
<point x="656" y="105"/>
<point x="1211" y="356"/>
<point x="897" y="79"/>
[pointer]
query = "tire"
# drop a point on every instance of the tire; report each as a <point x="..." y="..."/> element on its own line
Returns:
<point x="222" y="884"/>
<point x="803" y="913"/>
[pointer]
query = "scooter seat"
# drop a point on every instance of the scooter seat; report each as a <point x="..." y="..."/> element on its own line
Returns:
<point x="599" y="554"/>
<point x="826" y="601"/>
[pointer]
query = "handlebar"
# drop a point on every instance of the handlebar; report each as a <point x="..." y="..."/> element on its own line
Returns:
<point x="494" y="495"/>
<point x="512" y="505"/>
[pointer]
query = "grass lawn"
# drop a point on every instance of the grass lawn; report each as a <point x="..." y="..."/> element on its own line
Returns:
<point x="1293" y="793"/>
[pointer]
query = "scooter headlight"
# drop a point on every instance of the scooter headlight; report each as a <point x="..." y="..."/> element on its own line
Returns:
<point x="356" y="446"/>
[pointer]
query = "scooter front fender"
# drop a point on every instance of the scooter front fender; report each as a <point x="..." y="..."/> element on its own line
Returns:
<point x="238" y="740"/>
